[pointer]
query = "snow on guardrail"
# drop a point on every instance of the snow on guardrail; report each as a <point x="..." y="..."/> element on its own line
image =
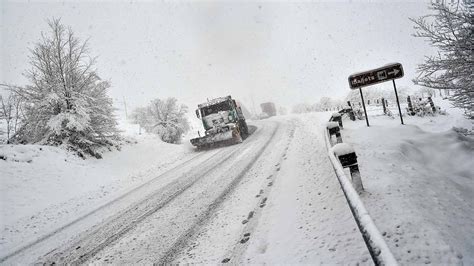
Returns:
<point x="342" y="149"/>
<point x="379" y="251"/>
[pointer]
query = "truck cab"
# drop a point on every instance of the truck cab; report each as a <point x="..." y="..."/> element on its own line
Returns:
<point x="222" y="119"/>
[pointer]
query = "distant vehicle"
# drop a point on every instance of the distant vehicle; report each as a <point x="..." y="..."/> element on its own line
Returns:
<point x="269" y="109"/>
<point x="223" y="121"/>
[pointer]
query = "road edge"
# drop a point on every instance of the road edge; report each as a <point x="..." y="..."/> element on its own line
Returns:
<point x="378" y="248"/>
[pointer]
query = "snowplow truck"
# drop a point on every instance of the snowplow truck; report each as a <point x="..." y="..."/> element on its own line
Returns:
<point x="223" y="122"/>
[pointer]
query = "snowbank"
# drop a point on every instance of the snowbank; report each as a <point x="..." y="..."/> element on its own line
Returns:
<point x="379" y="249"/>
<point x="419" y="183"/>
<point x="21" y="153"/>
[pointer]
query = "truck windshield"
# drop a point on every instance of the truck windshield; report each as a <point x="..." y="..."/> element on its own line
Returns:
<point x="223" y="106"/>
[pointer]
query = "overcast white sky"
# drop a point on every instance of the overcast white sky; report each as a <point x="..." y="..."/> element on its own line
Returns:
<point x="271" y="51"/>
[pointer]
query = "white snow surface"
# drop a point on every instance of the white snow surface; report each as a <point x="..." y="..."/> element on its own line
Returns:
<point x="418" y="181"/>
<point x="373" y="237"/>
<point x="42" y="187"/>
<point x="300" y="213"/>
<point x="342" y="149"/>
<point x="330" y="125"/>
<point x="419" y="184"/>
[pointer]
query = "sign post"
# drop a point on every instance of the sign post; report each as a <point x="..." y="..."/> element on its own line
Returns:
<point x="363" y="104"/>
<point x="374" y="76"/>
<point x="398" y="103"/>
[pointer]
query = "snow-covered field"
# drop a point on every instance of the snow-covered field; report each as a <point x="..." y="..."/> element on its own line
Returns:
<point x="43" y="188"/>
<point x="419" y="184"/>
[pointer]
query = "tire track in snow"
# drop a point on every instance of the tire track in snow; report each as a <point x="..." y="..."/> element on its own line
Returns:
<point x="171" y="253"/>
<point x="253" y="218"/>
<point x="106" y="233"/>
<point x="113" y="229"/>
<point x="92" y="212"/>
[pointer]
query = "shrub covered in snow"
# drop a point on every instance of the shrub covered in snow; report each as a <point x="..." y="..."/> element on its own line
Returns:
<point x="165" y="118"/>
<point x="66" y="103"/>
<point x="10" y="109"/>
<point x="374" y="95"/>
<point x="302" y="108"/>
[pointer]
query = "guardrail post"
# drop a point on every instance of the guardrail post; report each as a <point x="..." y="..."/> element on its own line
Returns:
<point x="348" y="158"/>
<point x="355" y="175"/>
<point x="333" y="129"/>
<point x="336" y="117"/>
<point x="351" y="112"/>
<point x="352" y="116"/>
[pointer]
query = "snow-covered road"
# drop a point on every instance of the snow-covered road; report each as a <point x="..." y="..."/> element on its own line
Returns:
<point x="273" y="198"/>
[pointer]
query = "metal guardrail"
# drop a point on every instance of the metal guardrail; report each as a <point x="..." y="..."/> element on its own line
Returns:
<point x="378" y="249"/>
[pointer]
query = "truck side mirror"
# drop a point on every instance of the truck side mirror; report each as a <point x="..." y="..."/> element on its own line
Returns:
<point x="197" y="113"/>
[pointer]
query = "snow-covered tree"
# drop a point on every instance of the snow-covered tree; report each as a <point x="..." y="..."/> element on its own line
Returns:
<point x="354" y="97"/>
<point x="373" y="94"/>
<point x="165" y="118"/>
<point x="10" y="112"/>
<point x="302" y="108"/>
<point x="402" y="95"/>
<point x="282" y="110"/>
<point x="338" y="104"/>
<point x="66" y="103"/>
<point x="425" y="92"/>
<point x="316" y="107"/>
<point x="451" y="30"/>
<point x="326" y="103"/>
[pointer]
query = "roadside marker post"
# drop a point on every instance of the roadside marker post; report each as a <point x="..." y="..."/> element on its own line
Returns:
<point x="410" y="106"/>
<point x="374" y="76"/>
<point x="433" y="107"/>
